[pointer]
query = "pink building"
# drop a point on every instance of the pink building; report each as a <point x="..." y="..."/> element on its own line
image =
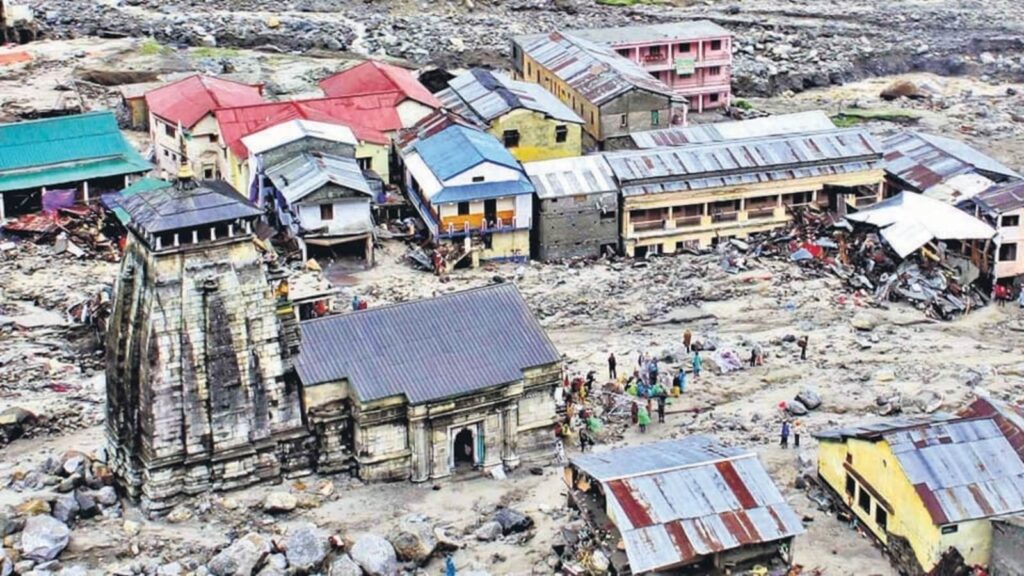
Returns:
<point x="693" y="58"/>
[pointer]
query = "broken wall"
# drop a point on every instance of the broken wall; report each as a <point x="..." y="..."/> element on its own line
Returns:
<point x="576" y="226"/>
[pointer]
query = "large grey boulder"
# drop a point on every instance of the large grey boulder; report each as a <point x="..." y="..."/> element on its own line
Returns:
<point x="344" y="565"/>
<point x="44" y="538"/>
<point x="241" y="557"/>
<point x="414" y="540"/>
<point x="375" y="555"/>
<point x="66" y="508"/>
<point x="306" y="547"/>
<point x="488" y="531"/>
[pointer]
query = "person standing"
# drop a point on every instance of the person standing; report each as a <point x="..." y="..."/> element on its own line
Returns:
<point x="798" y="427"/>
<point x="652" y="371"/>
<point x="611" y="367"/>
<point x="785" y="434"/>
<point x="662" y="397"/>
<point x="681" y="380"/>
<point x="802" y="343"/>
<point x="643" y="418"/>
<point x="698" y="363"/>
<point x="687" y="338"/>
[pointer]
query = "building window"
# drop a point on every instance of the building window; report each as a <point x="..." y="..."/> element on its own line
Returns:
<point x="864" y="500"/>
<point x="881" y="517"/>
<point x="561" y="133"/>
<point x="364" y="163"/>
<point x="529" y="69"/>
<point x="851" y="486"/>
<point x="591" y="115"/>
<point x="684" y="47"/>
<point x="327" y="212"/>
<point x="716" y="44"/>
<point x="1008" y="252"/>
<point x="207" y="173"/>
<point x="951" y="529"/>
<point x="623" y="121"/>
<point x="608" y="215"/>
<point x="488" y="241"/>
<point x="1010" y="221"/>
<point x="463" y="208"/>
<point x="655" y="117"/>
<point x="169" y="130"/>
<point x="713" y="98"/>
<point x="511" y="138"/>
<point x="714" y="70"/>
<point x="167" y="153"/>
<point x="655" y="51"/>
<point x="478" y="178"/>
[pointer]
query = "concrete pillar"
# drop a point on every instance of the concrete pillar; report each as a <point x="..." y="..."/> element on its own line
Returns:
<point x="3" y="210"/>
<point x="177" y="241"/>
<point x="510" y="435"/>
<point x="85" y="190"/>
<point x="421" y="452"/>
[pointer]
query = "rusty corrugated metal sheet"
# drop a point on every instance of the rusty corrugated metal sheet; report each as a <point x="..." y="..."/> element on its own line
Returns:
<point x="924" y="160"/>
<point x="678" y="500"/>
<point x="961" y="469"/>
<point x="1002" y="197"/>
<point x="777" y="125"/>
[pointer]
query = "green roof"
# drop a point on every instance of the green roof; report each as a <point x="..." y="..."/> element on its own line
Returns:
<point x="63" y="150"/>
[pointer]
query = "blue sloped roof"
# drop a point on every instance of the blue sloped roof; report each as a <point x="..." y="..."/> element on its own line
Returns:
<point x="457" y="148"/>
<point x="65" y="149"/>
<point x="154" y="209"/>
<point x="429" y="349"/>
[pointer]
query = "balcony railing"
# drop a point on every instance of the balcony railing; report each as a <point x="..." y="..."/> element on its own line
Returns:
<point x="725" y="217"/>
<point x="644" y="226"/>
<point x="688" y="221"/>
<point x="862" y="201"/>
<point x="660" y="57"/>
<point x="760" y="213"/>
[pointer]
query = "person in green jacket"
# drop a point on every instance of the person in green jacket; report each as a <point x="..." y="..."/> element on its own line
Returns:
<point x="643" y="418"/>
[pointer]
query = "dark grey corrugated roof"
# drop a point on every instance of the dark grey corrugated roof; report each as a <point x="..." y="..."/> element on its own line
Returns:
<point x="179" y="207"/>
<point x="428" y="349"/>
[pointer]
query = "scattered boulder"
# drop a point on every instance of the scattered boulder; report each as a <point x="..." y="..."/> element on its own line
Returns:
<point x="106" y="496"/>
<point x="14" y="422"/>
<point x="795" y="408"/>
<point x="306" y="547"/>
<point x="6" y="563"/>
<point x="344" y="565"/>
<point x="170" y="569"/>
<point x="414" y="540"/>
<point x="488" y="531"/>
<point x="34" y="507"/>
<point x="375" y="555"/>
<point x="44" y="538"/>
<point x="241" y="557"/>
<point x="280" y="502"/>
<point x="902" y="88"/>
<point x="809" y="398"/>
<point x="512" y="521"/>
<point x="66" y="508"/>
<point x="864" y="321"/>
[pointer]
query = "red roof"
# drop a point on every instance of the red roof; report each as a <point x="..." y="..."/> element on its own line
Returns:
<point x="189" y="100"/>
<point x="372" y="77"/>
<point x="370" y="118"/>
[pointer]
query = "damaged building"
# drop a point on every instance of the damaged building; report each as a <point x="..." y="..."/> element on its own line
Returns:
<point x="927" y="486"/>
<point x="690" y="506"/>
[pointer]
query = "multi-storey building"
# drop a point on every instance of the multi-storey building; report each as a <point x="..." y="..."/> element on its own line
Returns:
<point x="692" y="58"/>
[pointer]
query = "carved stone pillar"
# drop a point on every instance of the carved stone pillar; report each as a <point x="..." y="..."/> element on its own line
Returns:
<point x="510" y="435"/>
<point x="420" y="446"/>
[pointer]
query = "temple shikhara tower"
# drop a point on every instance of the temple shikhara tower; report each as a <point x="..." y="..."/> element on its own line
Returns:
<point x="196" y="362"/>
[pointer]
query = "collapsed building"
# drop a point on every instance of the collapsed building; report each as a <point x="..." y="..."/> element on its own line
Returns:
<point x="213" y="383"/>
<point x="690" y="506"/>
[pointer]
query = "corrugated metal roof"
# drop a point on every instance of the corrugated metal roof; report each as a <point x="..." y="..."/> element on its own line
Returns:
<point x="429" y="349"/>
<point x="674" y="501"/>
<point x="739" y="162"/>
<point x="188" y="100"/>
<point x="796" y="123"/>
<point x="456" y="149"/>
<point x="164" y="209"/>
<point x="910" y="220"/>
<point x="293" y="130"/>
<point x="373" y="77"/>
<point x="1002" y="197"/>
<point x="487" y="95"/>
<point x="875" y="430"/>
<point x="596" y="72"/>
<point x="655" y="33"/>
<point x="369" y="117"/>
<point x="963" y="470"/>
<point x="308" y="172"/>
<point x="484" y="190"/>
<point x="571" y="176"/>
<point x="1009" y="418"/>
<point x="924" y="160"/>
<point x="65" y="149"/>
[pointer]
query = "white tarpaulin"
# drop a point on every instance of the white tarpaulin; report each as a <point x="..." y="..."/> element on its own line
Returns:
<point x="909" y="221"/>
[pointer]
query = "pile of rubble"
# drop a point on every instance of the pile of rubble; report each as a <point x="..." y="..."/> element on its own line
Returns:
<point x="79" y="231"/>
<point x="942" y="286"/>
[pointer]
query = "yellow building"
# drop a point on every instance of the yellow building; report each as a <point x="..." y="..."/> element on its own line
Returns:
<point x="614" y="96"/>
<point x="924" y="485"/>
<point x="698" y="194"/>
<point x="531" y="122"/>
<point x="470" y="192"/>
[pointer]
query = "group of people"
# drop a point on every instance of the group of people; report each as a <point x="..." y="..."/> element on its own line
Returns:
<point x="1003" y="294"/>
<point x="579" y="419"/>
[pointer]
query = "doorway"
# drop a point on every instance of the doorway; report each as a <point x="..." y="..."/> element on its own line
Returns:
<point x="491" y="212"/>
<point x="463" y="448"/>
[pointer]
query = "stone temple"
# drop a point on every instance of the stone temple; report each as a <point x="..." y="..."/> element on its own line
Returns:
<point x="213" y="383"/>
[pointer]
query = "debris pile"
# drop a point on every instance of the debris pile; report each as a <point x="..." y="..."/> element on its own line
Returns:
<point x="79" y="231"/>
